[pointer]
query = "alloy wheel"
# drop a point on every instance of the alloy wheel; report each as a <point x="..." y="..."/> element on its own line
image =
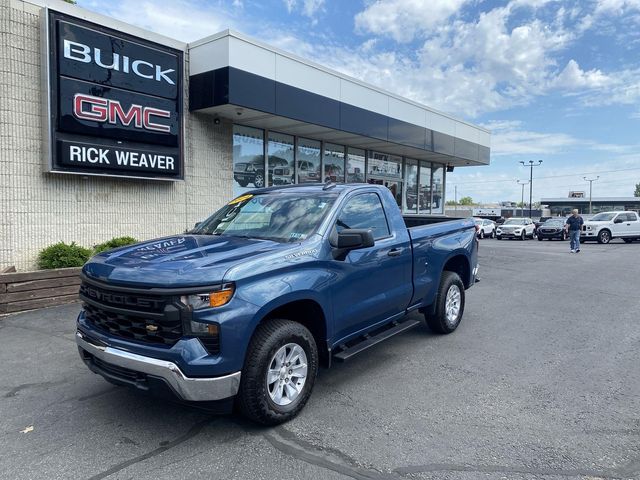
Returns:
<point x="287" y="374"/>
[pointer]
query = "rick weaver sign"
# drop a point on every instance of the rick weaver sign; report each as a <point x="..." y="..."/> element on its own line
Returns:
<point x="115" y="102"/>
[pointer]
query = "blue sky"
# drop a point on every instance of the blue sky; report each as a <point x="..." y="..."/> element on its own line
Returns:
<point x="557" y="81"/>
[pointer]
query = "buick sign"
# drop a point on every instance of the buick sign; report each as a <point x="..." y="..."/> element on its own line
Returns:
<point x="115" y="101"/>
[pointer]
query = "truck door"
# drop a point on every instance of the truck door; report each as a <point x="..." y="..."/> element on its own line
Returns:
<point x="634" y="227"/>
<point x="373" y="283"/>
<point x="621" y="226"/>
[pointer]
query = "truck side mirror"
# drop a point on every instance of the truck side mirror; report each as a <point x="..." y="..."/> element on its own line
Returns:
<point x="618" y="220"/>
<point x="353" y="238"/>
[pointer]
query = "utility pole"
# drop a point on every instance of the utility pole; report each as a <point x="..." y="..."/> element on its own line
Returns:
<point x="522" y="197"/>
<point x="590" y="180"/>
<point x="531" y="164"/>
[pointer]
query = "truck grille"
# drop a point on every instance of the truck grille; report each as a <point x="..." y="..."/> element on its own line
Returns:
<point x="142" y="318"/>
<point x="133" y="327"/>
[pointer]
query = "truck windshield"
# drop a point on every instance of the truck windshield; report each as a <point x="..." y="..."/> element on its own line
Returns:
<point x="281" y="217"/>
<point x="603" y="217"/>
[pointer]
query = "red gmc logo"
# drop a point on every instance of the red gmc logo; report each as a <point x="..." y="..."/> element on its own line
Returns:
<point x="103" y="110"/>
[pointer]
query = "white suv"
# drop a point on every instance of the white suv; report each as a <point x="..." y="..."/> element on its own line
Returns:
<point x="608" y="225"/>
<point x="516" y="227"/>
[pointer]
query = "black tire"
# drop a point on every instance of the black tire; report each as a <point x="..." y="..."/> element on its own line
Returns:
<point x="243" y="184"/>
<point x="253" y="398"/>
<point x="498" y="237"/>
<point x="493" y="234"/>
<point x="628" y="240"/>
<point x="437" y="321"/>
<point x="523" y="236"/>
<point x="258" y="180"/>
<point x="539" y="238"/>
<point x="604" y="236"/>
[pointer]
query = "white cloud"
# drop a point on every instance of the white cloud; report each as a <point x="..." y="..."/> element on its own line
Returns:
<point x="405" y="19"/>
<point x="507" y="138"/>
<point x="573" y="77"/>
<point x="309" y="8"/>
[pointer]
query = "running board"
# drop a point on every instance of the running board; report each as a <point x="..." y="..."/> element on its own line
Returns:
<point x="370" y="341"/>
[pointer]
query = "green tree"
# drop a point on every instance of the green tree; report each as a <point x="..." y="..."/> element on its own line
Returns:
<point x="466" y="201"/>
<point x="451" y="203"/>
<point x="637" y="192"/>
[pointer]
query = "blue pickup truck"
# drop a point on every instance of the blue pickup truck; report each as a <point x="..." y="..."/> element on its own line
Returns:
<point x="245" y="308"/>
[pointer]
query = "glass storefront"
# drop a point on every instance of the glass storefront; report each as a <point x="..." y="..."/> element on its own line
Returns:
<point x="417" y="185"/>
<point x="333" y="163"/>
<point x="308" y="161"/>
<point x="355" y="165"/>
<point x="280" y="154"/>
<point x="437" y="199"/>
<point x="424" y="189"/>
<point x="248" y="159"/>
<point x="410" y="204"/>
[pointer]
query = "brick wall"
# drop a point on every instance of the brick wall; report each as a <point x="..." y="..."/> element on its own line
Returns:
<point x="39" y="208"/>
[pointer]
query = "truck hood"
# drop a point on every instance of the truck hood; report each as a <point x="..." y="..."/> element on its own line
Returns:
<point x="178" y="261"/>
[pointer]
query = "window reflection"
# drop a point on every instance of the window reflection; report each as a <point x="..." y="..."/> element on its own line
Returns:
<point x="355" y="165"/>
<point x="410" y="204"/>
<point x="424" y="191"/>
<point x="248" y="159"/>
<point x="438" y="189"/>
<point x="308" y="161"/>
<point x="333" y="163"/>
<point x="280" y="158"/>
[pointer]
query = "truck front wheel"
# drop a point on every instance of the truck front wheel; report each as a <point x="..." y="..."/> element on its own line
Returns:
<point x="279" y="372"/>
<point x="449" y="304"/>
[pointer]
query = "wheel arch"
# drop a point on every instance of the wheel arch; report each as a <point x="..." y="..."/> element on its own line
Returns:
<point x="459" y="263"/>
<point x="304" y="310"/>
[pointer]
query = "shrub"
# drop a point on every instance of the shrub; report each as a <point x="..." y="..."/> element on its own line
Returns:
<point x="63" y="255"/>
<point x="114" y="243"/>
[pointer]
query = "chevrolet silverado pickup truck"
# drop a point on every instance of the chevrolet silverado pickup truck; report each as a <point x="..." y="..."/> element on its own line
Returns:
<point x="247" y="306"/>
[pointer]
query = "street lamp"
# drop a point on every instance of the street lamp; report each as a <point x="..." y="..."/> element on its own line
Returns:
<point x="590" y="180"/>
<point x="522" y="197"/>
<point x="531" y="164"/>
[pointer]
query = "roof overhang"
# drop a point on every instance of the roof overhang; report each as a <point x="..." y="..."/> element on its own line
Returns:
<point x="238" y="78"/>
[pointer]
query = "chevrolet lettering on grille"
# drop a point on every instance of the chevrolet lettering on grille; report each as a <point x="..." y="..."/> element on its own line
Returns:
<point x="119" y="299"/>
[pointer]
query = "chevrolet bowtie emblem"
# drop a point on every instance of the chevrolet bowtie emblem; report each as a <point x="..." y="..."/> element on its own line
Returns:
<point x="152" y="328"/>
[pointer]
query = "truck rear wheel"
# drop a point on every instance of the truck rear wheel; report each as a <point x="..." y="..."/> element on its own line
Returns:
<point x="279" y="372"/>
<point x="449" y="304"/>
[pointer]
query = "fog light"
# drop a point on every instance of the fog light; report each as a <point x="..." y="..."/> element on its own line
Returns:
<point x="200" y="328"/>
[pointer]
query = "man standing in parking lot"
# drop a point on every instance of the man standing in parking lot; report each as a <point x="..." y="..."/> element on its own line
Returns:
<point x="574" y="225"/>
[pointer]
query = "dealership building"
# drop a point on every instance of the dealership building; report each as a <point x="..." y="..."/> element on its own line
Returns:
<point x="110" y="130"/>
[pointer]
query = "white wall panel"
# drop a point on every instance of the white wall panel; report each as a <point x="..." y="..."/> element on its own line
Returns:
<point x="306" y="77"/>
<point x="407" y="112"/>
<point x="209" y="56"/>
<point x="466" y="132"/>
<point x="443" y="124"/>
<point x="252" y="58"/>
<point x="363" y="97"/>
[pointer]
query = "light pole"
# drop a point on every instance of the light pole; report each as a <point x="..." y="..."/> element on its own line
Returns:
<point x="531" y="164"/>
<point x="590" y="180"/>
<point x="522" y="197"/>
<point x="455" y="198"/>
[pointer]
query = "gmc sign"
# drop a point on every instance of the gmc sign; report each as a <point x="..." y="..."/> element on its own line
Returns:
<point x="115" y="101"/>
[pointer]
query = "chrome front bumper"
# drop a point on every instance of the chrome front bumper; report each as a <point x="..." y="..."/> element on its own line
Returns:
<point x="186" y="388"/>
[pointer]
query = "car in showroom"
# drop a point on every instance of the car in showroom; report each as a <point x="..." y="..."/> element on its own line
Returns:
<point x="605" y="226"/>
<point x="553" y="228"/>
<point x="486" y="228"/>
<point x="516" y="227"/>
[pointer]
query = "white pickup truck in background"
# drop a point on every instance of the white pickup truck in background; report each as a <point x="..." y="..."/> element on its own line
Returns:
<point x="606" y="226"/>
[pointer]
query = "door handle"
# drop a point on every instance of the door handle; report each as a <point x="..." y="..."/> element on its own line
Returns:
<point x="394" y="252"/>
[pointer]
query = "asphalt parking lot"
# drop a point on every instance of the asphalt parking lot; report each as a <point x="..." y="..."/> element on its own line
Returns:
<point x="541" y="380"/>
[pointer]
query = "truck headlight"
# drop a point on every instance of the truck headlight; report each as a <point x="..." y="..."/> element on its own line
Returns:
<point x="216" y="298"/>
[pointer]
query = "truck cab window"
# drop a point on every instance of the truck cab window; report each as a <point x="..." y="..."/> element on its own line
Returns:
<point x="364" y="211"/>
